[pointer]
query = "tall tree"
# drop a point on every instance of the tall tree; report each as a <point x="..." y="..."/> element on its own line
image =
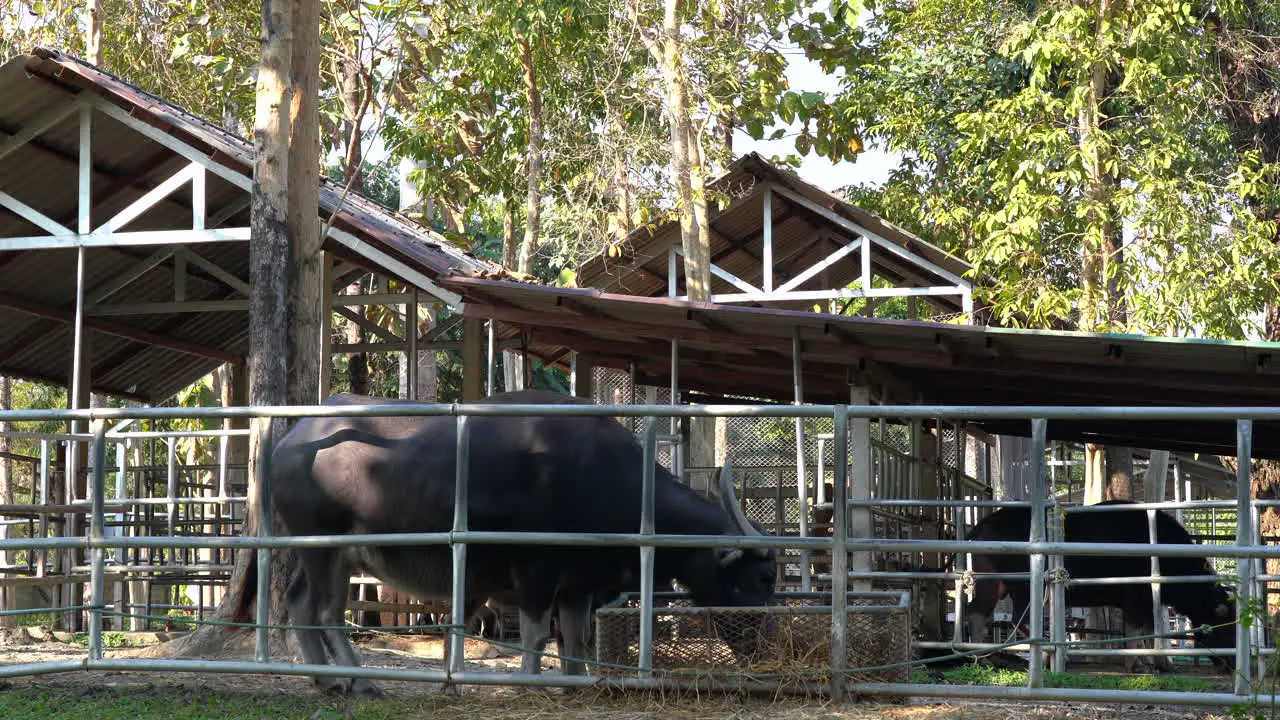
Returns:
<point x="1038" y="136"/>
<point x="284" y="272"/>
<point x="1249" y="57"/>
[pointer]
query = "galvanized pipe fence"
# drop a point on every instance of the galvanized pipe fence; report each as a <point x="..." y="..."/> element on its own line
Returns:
<point x="1041" y="548"/>
<point x="152" y="490"/>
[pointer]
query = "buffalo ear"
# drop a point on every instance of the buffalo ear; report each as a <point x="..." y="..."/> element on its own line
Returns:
<point x="730" y="556"/>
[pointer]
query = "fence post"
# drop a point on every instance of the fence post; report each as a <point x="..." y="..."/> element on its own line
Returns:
<point x="840" y="555"/>
<point x="1244" y="566"/>
<point x="1035" y="671"/>
<point x="262" y="616"/>
<point x="647" y="551"/>
<point x="457" y="646"/>
<point x="96" y="532"/>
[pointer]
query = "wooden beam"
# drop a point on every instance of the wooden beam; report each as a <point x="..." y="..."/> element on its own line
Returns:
<point x="23" y="305"/>
<point x="473" y="362"/>
<point x="368" y="325"/>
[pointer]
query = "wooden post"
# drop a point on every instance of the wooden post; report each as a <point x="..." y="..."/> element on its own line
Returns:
<point x="473" y="367"/>
<point x="326" y="326"/>
<point x="583" y="376"/>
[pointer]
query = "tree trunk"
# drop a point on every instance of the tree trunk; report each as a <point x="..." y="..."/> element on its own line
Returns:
<point x="510" y="242"/>
<point x="284" y="272"/>
<point x="1119" y="473"/>
<point x="622" y="188"/>
<point x="355" y="104"/>
<point x="533" y="100"/>
<point x="93" y="32"/>
<point x="357" y="363"/>
<point x="697" y="266"/>
<point x="306" y="322"/>
<point x="1098" y="233"/>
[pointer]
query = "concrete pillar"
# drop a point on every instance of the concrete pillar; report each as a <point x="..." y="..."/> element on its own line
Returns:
<point x="1154" y="484"/>
<point x="924" y="476"/>
<point x="860" y="522"/>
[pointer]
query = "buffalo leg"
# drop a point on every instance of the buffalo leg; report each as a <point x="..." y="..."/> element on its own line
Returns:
<point x="302" y="611"/>
<point x="575" y="633"/>
<point x="1144" y="625"/>
<point x="535" y="631"/>
<point x="318" y="597"/>
<point x="985" y="596"/>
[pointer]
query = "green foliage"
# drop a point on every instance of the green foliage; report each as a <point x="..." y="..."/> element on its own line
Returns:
<point x="379" y="182"/>
<point x="974" y="674"/>
<point x="985" y="99"/>
<point x="197" y="56"/>
<point x="112" y="640"/>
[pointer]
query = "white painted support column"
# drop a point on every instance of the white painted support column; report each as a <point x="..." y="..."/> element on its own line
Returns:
<point x="411" y="334"/>
<point x="1154" y="487"/>
<point x="78" y="383"/>
<point x="677" y="447"/>
<point x="491" y="361"/>
<point x="860" y="524"/>
<point x="767" y="240"/>
<point x="802" y="477"/>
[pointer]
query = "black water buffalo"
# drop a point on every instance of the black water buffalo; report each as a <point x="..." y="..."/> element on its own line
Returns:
<point x="1202" y="603"/>
<point x="527" y="474"/>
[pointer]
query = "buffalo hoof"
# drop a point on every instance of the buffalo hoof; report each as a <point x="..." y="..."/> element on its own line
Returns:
<point x="1141" y="667"/>
<point x="351" y="688"/>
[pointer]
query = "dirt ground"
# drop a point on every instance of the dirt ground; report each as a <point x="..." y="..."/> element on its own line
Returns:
<point x="513" y="704"/>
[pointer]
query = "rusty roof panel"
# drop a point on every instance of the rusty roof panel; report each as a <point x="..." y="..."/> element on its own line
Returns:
<point x="127" y="164"/>
<point x="743" y="351"/>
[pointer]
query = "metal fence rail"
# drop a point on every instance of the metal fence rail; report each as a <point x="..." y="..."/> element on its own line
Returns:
<point x="1038" y="547"/>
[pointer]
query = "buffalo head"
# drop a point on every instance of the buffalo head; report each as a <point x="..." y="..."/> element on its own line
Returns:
<point x="738" y="577"/>
<point x="1222" y="630"/>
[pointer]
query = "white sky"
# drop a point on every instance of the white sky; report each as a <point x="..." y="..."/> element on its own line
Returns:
<point x="873" y="165"/>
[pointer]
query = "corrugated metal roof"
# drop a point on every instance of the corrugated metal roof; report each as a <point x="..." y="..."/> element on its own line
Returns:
<point x="37" y="288"/>
<point x="741" y="351"/>
<point x="737" y="242"/>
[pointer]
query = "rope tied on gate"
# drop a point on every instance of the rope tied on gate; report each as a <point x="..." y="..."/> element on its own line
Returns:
<point x="968" y="581"/>
<point x="1057" y="575"/>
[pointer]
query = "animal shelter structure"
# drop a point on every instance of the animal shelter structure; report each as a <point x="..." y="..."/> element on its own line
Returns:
<point x="123" y="272"/>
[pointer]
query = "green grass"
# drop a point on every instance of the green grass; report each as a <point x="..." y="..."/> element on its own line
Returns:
<point x="979" y="675"/>
<point x="109" y="640"/>
<point x="35" y="620"/>
<point x="74" y="703"/>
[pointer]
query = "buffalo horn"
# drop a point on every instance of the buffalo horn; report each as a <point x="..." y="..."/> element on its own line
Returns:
<point x="730" y="502"/>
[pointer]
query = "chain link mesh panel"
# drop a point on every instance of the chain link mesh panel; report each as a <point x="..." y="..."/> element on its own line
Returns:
<point x="613" y="387"/>
<point x="791" y="639"/>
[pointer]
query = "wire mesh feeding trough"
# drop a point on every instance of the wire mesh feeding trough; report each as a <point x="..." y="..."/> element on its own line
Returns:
<point x="790" y="640"/>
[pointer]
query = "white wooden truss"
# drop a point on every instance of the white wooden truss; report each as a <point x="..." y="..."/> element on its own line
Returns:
<point x="863" y="245"/>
